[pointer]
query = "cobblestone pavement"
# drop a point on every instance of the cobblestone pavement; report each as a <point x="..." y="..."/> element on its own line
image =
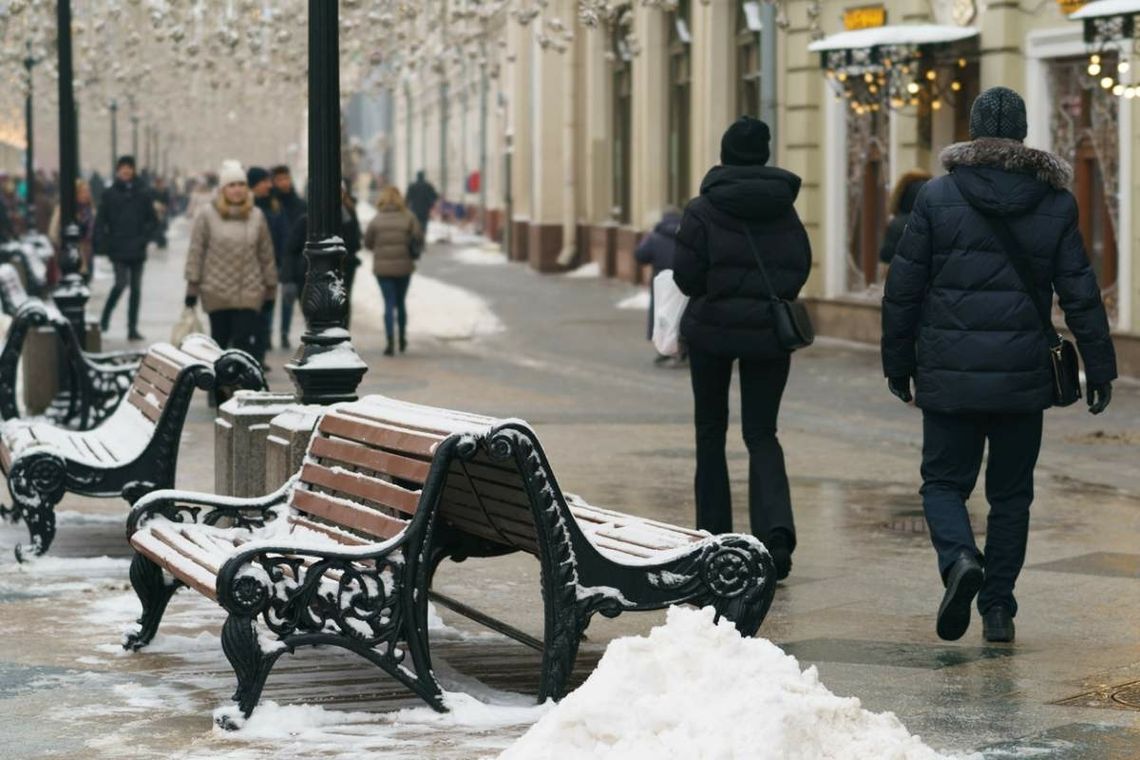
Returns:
<point x="859" y="605"/>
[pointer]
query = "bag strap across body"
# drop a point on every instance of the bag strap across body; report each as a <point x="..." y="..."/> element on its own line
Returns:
<point x="760" y="265"/>
<point x="1020" y="262"/>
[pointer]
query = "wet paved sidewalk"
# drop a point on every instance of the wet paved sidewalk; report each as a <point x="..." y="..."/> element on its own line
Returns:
<point x="859" y="605"/>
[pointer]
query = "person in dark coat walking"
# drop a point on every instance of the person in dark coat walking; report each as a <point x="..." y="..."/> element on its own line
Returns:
<point x="292" y="210"/>
<point x="657" y="249"/>
<point x="730" y="320"/>
<point x="261" y="185"/>
<point x="958" y="321"/>
<point x="124" y="224"/>
<point x="901" y="204"/>
<point x="421" y="198"/>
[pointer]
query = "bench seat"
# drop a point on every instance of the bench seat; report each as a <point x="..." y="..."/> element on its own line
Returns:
<point x="345" y="552"/>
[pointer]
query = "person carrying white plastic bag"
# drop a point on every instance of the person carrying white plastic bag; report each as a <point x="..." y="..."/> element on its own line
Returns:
<point x="187" y="324"/>
<point x="669" y="305"/>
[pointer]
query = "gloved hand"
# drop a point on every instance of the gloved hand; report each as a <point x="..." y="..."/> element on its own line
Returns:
<point x="900" y="386"/>
<point x="191" y="301"/>
<point x="1099" y="394"/>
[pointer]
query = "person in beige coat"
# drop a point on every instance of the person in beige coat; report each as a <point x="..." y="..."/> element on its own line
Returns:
<point x="395" y="239"/>
<point x="230" y="265"/>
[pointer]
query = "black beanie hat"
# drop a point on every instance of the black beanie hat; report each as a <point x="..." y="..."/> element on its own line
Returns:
<point x="255" y="174"/>
<point x="998" y="112"/>
<point x="125" y="161"/>
<point x="746" y="143"/>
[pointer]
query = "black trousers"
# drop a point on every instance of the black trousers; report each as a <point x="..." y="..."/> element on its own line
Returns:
<point x="762" y="385"/>
<point x="237" y="328"/>
<point x="952" y="450"/>
<point x="127" y="274"/>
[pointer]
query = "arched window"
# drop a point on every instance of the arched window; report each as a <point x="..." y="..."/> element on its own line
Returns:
<point x="680" y="91"/>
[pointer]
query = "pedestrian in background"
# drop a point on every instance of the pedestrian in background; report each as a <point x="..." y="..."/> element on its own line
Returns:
<point x="85" y="218"/>
<point x="421" y="199"/>
<point x="350" y="234"/>
<point x="230" y="263"/>
<point x="657" y="250"/>
<point x="261" y="185"/>
<point x="394" y="237"/>
<point x="124" y="225"/>
<point x="744" y="214"/>
<point x="966" y="298"/>
<point x="901" y="204"/>
<point x="292" y="209"/>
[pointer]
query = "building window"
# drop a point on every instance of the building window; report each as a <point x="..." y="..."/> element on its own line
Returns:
<point x="622" y="123"/>
<point x="1085" y="131"/>
<point x="868" y="179"/>
<point x="748" y="59"/>
<point x="680" y="89"/>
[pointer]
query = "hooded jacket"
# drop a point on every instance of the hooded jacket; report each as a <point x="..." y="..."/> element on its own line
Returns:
<point x="125" y="222"/>
<point x="956" y="316"/>
<point x="389" y="237"/>
<point x="230" y="263"/>
<point x="901" y="204"/>
<point x="659" y="246"/>
<point x="731" y="309"/>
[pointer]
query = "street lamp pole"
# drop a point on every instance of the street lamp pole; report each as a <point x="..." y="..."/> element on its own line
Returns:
<point x="135" y="135"/>
<point x="326" y="368"/>
<point x="114" y="135"/>
<point x="71" y="294"/>
<point x="29" y="154"/>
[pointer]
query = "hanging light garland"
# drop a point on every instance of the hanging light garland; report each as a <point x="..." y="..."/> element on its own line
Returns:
<point x="1110" y="40"/>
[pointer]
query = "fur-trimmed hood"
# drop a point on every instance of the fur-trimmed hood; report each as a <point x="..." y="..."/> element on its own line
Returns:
<point x="228" y="210"/>
<point x="1010" y="156"/>
<point x="906" y="191"/>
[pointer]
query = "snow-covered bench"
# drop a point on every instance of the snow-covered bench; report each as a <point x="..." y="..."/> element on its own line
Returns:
<point x="133" y="452"/>
<point x="32" y="253"/>
<point x="344" y="554"/>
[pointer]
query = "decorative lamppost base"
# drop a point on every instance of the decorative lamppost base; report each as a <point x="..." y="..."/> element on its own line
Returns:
<point x="326" y="373"/>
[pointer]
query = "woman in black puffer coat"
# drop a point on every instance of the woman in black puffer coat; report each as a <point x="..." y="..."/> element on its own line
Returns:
<point x="958" y="320"/>
<point x="730" y="319"/>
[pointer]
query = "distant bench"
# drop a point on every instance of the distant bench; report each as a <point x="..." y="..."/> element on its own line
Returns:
<point x="345" y="552"/>
<point x="132" y="452"/>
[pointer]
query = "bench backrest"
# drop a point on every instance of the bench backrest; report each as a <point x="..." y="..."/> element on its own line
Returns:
<point x="12" y="292"/>
<point x="362" y="476"/>
<point x="156" y="378"/>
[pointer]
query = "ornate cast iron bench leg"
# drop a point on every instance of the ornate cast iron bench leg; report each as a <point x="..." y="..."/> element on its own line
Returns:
<point x="37" y="481"/>
<point x="154" y="591"/>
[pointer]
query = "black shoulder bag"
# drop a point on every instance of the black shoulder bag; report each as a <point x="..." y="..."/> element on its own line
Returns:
<point x="1062" y="353"/>
<point x="793" y="323"/>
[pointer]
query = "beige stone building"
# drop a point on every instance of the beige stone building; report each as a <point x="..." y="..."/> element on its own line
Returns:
<point x="581" y="145"/>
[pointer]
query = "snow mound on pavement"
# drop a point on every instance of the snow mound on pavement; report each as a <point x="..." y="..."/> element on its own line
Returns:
<point x="693" y="690"/>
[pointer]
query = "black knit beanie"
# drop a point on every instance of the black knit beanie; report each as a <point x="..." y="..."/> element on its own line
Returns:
<point x="256" y="174"/>
<point x="746" y="143"/>
<point x="998" y="112"/>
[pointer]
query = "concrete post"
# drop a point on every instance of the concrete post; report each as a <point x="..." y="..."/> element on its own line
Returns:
<point x="288" y="438"/>
<point x="240" y="433"/>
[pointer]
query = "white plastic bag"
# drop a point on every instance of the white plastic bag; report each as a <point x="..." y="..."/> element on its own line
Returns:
<point x="187" y="324"/>
<point x="669" y="305"/>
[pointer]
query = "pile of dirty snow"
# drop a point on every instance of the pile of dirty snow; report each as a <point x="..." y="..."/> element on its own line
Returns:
<point x="693" y="690"/>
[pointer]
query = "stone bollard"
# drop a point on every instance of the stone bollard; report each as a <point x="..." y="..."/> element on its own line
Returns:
<point x="240" y="433"/>
<point x="289" y="434"/>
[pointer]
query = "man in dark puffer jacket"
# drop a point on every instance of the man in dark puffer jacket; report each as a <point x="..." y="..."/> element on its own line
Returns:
<point x="957" y="319"/>
<point x="730" y="318"/>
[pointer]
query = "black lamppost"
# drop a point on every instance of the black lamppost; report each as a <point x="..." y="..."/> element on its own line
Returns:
<point x="71" y="294"/>
<point x="135" y="135"/>
<point x="114" y="135"/>
<point x="326" y="368"/>
<point x="29" y="155"/>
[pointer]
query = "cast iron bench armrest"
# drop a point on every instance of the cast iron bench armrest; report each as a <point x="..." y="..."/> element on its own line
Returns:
<point x="116" y="359"/>
<point x="188" y="507"/>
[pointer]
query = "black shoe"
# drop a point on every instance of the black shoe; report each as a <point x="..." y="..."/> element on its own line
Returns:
<point x="403" y="344"/>
<point x="285" y="343"/>
<point x="390" y="350"/>
<point x="963" y="582"/>
<point x="780" y="549"/>
<point x="997" y="624"/>
<point x="135" y="336"/>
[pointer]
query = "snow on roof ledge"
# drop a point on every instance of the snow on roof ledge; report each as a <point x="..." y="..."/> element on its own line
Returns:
<point x="899" y="34"/>
<point x="1101" y="8"/>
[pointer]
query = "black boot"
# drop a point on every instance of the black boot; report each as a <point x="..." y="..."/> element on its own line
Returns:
<point x="779" y="546"/>
<point x="963" y="581"/>
<point x="391" y="349"/>
<point x="997" y="624"/>
<point x="135" y="336"/>
<point x="403" y="342"/>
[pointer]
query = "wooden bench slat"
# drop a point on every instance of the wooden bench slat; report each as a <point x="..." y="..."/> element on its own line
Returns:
<point x="140" y="402"/>
<point x="155" y="378"/>
<point x="362" y="456"/>
<point x="189" y="572"/>
<point x="332" y="531"/>
<point x="361" y="486"/>
<point x="190" y="544"/>
<point x="478" y="527"/>
<point x="341" y="512"/>
<point x="498" y="510"/>
<point x="384" y="436"/>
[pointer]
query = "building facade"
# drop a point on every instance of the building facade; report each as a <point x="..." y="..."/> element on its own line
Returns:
<point x="581" y="144"/>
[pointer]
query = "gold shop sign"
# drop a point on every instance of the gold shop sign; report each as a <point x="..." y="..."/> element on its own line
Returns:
<point x="864" y="17"/>
<point x="1071" y="6"/>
